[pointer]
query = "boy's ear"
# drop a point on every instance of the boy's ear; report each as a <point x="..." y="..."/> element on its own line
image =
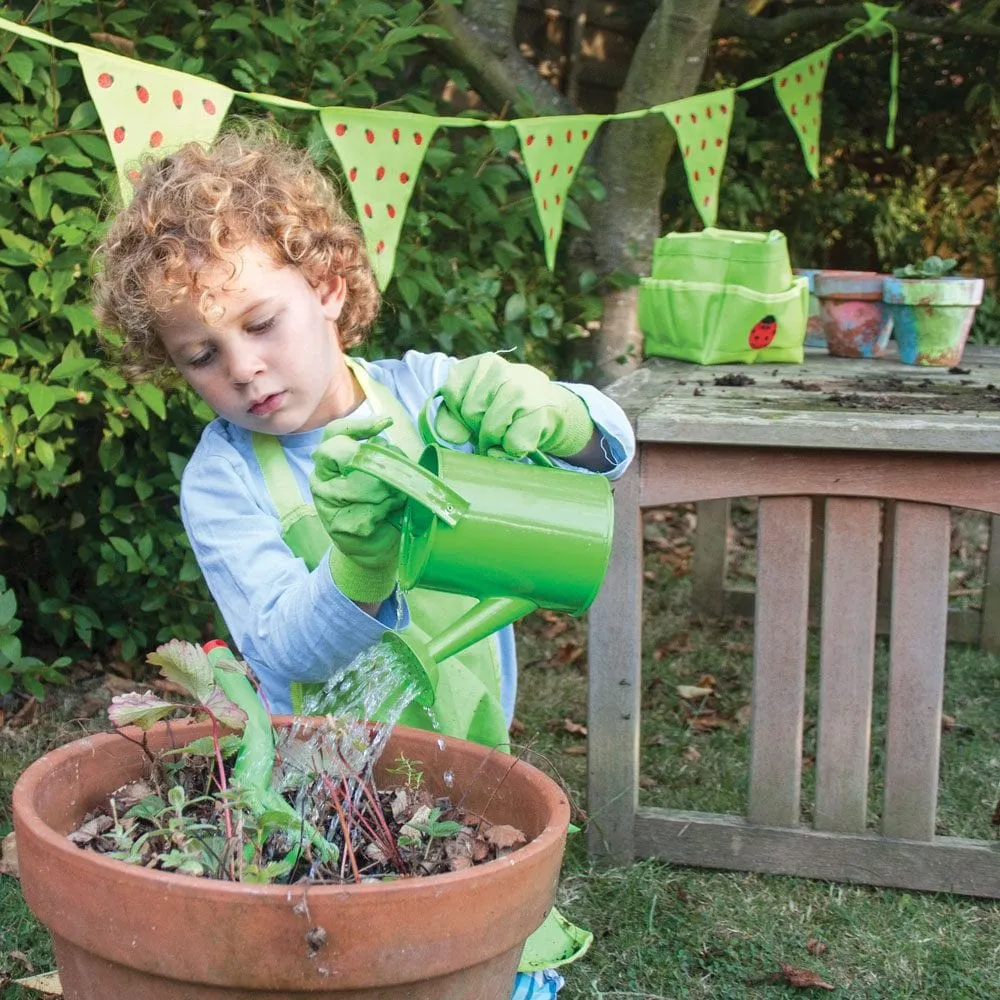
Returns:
<point x="332" y="293"/>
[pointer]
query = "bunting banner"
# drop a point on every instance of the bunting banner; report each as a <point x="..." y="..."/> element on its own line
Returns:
<point x="552" y="149"/>
<point x="799" y="87"/>
<point x="380" y="159"/>
<point x="702" y="125"/>
<point x="148" y="110"/>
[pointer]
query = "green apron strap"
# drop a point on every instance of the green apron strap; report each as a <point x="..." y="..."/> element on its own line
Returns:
<point x="300" y="525"/>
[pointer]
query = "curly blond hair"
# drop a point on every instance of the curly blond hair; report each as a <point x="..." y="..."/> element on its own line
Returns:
<point x="191" y="210"/>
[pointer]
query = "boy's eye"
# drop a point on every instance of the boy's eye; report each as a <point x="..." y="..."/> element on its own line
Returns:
<point x="200" y="360"/>
<point x="261" y="325"/>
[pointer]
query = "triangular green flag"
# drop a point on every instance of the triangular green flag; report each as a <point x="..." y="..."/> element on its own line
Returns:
<point x="149" y="110"/>
<point x="702" y="124"/>
<point x="799" y="87"/>
<point x="552" y="149"/>
<point x="381" y="153"/>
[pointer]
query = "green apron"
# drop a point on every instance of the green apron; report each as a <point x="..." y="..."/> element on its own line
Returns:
<point x="467" y="695"/>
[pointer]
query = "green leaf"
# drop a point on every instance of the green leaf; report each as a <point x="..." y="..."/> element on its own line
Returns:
<point x="43" y="451"/>
<point x="72" y="183"/>
<point x="135" y="709"/>
<point x="152" y="396"/>
<point x="69" y="367"/>
<point x="40" y="195"/>
<point x="21" y="64"/>
<point x="8" y="607"/>
<point x="187" y="665"/>
<point x="515" y="308"/>
<point x="123" y="546"/>
<point x="41" y="397"/>
<point x="110" y="452"/>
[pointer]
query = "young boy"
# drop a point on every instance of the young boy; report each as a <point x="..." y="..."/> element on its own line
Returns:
<point x="238" y="267"/>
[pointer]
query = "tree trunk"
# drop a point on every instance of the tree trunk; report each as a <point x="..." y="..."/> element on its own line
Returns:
<point x="632" y="164"/>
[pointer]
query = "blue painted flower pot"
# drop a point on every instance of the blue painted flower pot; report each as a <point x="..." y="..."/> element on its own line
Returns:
<point x="931" y="317"/>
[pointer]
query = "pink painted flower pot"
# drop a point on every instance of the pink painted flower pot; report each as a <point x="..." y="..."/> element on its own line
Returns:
<point x="855" y="320"/>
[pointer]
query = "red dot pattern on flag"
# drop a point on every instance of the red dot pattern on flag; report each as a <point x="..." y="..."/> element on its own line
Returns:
<point x="395" y="136"/>
<point x="404" y="178"/>
<point x="105" y="80"/>
<point x="701" y="134"/>
<point x="380" y="246"/>
<point x="352" y="174"/>
<point x="119" y="134"/>
<point x="380" y="173"/>
<point x="369" y="135"/>
<point x="142" y="93"/>
<point x="209" y="106"/>
<point x="340" y="129"/>
<point x="155" y="139"/>
<point x="178" y="99"/>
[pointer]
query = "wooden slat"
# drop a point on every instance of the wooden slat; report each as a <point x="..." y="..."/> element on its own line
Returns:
<point x="916" y="669"/>
<point x="683" y="473"/>
<point x="614" y="666"/>
<point x="847" y="658"/>
<point x="781" y="623"/>
<point x="989" y="635"/>
<point x="717" y="840"/>
<point x="708" y="562"/>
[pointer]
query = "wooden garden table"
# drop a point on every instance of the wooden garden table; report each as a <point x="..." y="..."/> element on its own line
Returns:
<point x="848" y="434"/>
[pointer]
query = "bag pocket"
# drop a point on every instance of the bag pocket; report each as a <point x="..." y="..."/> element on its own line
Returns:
<point x="714" y="324"/>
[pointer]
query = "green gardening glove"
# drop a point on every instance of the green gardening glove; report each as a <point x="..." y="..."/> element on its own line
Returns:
<point x="357" y="511"/>
<point x="511" y="407"/>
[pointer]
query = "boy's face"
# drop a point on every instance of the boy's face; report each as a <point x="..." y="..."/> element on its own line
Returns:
<point x="269" y="359"/>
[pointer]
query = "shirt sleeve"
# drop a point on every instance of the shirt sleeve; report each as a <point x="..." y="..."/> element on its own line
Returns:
<point x="290" y="624"/>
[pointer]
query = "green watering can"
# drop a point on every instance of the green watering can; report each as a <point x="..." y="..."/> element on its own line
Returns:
<point x="517" y="536"/>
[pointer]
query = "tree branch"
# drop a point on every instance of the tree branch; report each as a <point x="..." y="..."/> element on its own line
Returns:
<point x="735" y="21"/>
<point x="498" y="71"/>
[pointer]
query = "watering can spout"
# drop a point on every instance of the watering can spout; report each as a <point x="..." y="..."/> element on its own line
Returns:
<point x="422" y="658"/>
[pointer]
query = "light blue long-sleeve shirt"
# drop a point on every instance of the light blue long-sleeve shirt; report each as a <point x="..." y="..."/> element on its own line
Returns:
<point x="291" y="624"/>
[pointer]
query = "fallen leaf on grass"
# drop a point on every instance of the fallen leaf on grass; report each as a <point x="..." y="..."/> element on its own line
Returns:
<point x="578" y="750"/>
<point x="690" y="693"/>
<point x="576" y="728"/>
<point x="516" y="727"/>
<point x="567" y="653"/>
<point x="23" y="959"/>
<point x="803" y="978"/>
<point x="709" y="723"/>
<point x="555" y="625"/>
<point x="692" y="754"/>
<point x="47" y="983"/>
<point x="815" y="947"/>
<point x="8" y="856"/>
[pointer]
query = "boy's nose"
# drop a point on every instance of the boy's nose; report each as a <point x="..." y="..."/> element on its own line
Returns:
<point x="245" y="366"/>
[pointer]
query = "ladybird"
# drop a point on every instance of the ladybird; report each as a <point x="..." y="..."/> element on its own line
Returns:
<point x="763" y="332"/>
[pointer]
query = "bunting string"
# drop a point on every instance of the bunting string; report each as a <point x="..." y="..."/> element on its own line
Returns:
<point x="150" y="110"/>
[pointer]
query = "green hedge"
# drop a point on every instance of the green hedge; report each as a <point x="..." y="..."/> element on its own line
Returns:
<point x="93" y="553"/>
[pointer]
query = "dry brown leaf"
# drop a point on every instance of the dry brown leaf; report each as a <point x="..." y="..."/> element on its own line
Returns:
<point x="23" y="959"/>
<point x="708" y="681"/>
<point x="645" y="781"/>
<point x="576" y="728"/>
<point x="692" y="754"/>
<point x="947" y="722"/>
<point x="577" y="750"/>
<point x="555" y="624"/>
<point x="803" y="978"/>
<point x="815" y="947"/>
<point x="691" y="693"/>
<point x="24" y="714"/>
<point x="503" y="835"/>
<point x="8" y="856"/>
<point x="567" y="653"/>
<point x="709" y="723"/>
<point x="516" y="727"/>
<point x="742" y="715"/>
<point x="47" y="983"/>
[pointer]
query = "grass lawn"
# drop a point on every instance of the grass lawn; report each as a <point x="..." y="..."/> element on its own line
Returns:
<point x="668" y="932"/>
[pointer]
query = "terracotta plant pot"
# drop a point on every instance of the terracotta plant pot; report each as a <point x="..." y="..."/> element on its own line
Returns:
<point x="853" y="316"/>
<point x="122" y="931"/>
<point x="932" y="317"/>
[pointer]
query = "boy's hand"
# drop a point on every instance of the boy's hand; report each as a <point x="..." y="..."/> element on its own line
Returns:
<point x="356" y="510"/>
<point x="514" y="407"/>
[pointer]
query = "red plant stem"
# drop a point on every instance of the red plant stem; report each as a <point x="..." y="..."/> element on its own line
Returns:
<point x="227" y="815"/>
<point x="348" y="849"/>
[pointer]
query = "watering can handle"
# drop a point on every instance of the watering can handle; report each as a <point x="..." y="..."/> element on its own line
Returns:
<point x="419" y="484"/>
<point x="429" y="432"/>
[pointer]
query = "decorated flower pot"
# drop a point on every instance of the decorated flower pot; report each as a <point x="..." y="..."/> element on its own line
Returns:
<point x="124" y="931"/>
<point x="815" y="337"/>
<point x="855" y="322"/>
<point x="931" y="317"/>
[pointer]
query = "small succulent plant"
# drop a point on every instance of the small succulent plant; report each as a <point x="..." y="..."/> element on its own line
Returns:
<point x="931" y="267"/>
